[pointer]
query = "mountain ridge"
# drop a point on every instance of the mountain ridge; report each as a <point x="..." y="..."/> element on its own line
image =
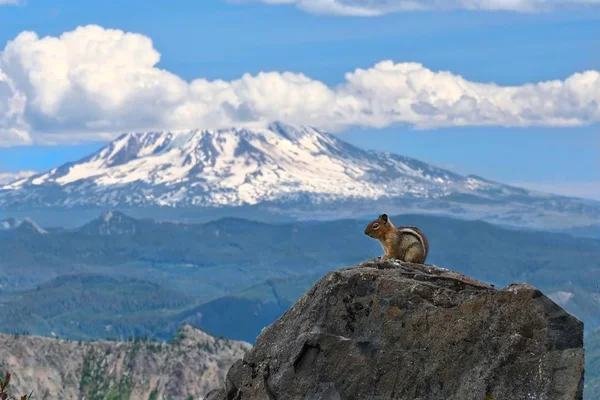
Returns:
<point x="187" y="266"/>
<point x="290" y="170"/>
<point x="188" y="366"/>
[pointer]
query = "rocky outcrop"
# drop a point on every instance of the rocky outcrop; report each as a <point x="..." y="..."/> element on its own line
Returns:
<point x="188" y="368"/>
<point x="385" y="330"/>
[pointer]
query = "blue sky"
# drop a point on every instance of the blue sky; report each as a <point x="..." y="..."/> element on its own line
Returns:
<point x="213" y="39"/>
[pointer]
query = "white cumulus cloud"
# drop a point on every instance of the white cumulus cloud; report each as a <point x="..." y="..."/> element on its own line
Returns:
<point x="95" y="83"/>
<point x="370" y="8"/>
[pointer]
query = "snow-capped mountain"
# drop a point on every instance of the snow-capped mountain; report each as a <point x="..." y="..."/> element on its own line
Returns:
<point x="282" y="167"/>
<point x="235" y="167"/>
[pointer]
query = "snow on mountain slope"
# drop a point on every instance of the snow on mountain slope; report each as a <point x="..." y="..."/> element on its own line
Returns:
<point x="280" y="164"/>
<point x="235" y="167"/>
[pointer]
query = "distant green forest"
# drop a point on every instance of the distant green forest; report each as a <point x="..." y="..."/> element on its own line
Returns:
<point x="120" y="277"/>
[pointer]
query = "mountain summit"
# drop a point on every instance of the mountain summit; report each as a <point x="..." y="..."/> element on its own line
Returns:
<point x="111" y="223"/>
<point x="289" y="169"/>
<point x="235" y="167"/>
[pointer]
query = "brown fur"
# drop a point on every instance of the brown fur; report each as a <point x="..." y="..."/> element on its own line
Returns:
<point x="404" y="243"/>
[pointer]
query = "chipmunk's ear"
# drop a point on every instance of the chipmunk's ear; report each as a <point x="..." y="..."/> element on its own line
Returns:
<point x="384" y="218"/>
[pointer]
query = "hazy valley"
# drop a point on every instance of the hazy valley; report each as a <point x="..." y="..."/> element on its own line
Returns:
<point x="118" y="276"/>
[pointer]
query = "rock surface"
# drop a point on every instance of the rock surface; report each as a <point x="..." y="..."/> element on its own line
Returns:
<point x="383" y="330"/>
<point x="58" y="369"/>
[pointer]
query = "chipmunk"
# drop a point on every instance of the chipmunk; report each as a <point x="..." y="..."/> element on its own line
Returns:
<point x="403" y="243"/>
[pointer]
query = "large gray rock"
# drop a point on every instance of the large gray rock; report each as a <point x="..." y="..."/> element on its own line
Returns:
<point x="385" y="330"/>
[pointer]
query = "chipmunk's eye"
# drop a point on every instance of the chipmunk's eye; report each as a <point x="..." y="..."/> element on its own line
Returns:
<point x="375" y="226"/>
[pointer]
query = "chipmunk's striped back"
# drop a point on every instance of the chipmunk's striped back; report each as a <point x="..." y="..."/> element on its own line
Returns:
<point x="416" y="232"/>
